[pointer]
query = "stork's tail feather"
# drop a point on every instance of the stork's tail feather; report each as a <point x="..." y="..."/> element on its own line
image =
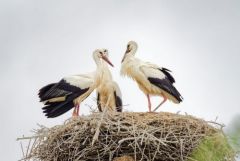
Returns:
<point x="55" y="109"/>
<point x="43" y="90"/>
<point x="177" y="95"/>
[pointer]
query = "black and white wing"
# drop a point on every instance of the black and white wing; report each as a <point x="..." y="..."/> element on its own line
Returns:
<point x="58" y="97"/>
<point x="161" y="78"/>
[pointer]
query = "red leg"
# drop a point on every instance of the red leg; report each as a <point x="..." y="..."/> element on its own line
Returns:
<point x="149" y="103"/>
<point x="78" y="106"/>
<point x="75" y="111"/>
<point x="164" y="100"/>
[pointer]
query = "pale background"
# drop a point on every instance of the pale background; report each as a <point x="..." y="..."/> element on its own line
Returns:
<point x="43" y="41"/>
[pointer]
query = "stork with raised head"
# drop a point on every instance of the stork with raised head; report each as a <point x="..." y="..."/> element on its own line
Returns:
<point x="70" y="91"/>
<point x="151" y="79"/>
<point x="108" y="92"/>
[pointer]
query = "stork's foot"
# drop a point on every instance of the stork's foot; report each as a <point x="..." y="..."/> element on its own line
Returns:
<point x="151" y="112"/>
<point x="149" y="109"/>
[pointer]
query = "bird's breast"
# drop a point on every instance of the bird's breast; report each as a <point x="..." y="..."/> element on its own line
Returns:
<point x="134" y="72"/>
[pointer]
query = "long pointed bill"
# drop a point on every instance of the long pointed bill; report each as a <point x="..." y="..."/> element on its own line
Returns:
<point x="107" y="60"/>
<point x="123" y="57"/>
<point x="127" y="51"/>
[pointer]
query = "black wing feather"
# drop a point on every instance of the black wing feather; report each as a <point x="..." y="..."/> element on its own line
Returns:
<point x="168" y="75"/>
<point x="118" y="101"/>
<point x="57" y="108"/>
<point x="98" y="102"/>
<point x="167" y="86"/>
<point x="54" y="109"/>
<point x="44" y="89"/>
<point x="60" y="89"/>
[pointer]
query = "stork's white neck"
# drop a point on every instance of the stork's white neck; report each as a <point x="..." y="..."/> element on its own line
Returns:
<point x="128" y="57"/>
<point x="97" y="60"/>
<point x="102" y="73"/>
<point x="106" y="72"/>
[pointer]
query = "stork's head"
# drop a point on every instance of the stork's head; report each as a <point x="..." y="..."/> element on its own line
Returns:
<point x="131" y="49"/>
<point x="105" y="52"/>
<point x="101" y="54"/>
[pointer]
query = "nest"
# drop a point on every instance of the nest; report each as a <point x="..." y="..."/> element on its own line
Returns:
<point x="105" y="136"/>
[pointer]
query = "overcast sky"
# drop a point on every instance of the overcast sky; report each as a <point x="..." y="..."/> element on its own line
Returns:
<point x="43" y="41"/>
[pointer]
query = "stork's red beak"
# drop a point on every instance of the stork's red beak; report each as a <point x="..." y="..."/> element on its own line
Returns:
<point x="107" y="60"/>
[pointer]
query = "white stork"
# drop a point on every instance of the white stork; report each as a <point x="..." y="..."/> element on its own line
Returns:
<point x="151" y="79"/>
<point x="108" y="92"/>
<point x="70" y="91"/>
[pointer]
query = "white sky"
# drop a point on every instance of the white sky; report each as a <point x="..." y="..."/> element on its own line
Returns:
<point x="43" y="41"/>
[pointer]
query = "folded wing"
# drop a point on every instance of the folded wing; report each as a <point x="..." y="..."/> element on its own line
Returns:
<point x="161" y="78"/>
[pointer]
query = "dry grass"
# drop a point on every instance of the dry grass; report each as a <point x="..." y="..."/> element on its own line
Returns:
<point x="104" y="136"/>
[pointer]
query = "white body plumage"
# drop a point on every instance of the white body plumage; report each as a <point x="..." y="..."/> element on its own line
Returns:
<point x="108" y="92"/>
<point x="151" y="79"/>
